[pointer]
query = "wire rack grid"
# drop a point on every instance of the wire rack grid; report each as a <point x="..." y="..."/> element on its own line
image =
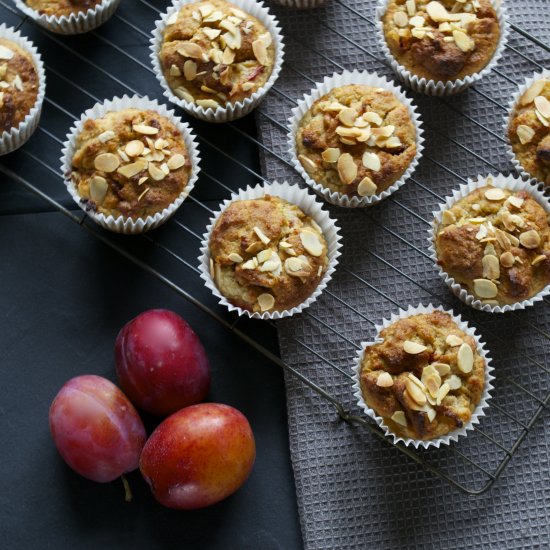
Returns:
<point x="124" y="41"/>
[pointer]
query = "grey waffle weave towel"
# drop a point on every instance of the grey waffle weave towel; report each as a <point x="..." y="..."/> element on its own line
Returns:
<point x="354" y="490"/>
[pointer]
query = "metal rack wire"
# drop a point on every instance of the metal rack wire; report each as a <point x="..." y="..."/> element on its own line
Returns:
<point x="486" y="473"/>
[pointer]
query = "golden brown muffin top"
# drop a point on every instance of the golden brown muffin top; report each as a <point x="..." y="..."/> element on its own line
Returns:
<point x="496" y="243"/>
<point x="19" y="84"/>
<point x="214" y="53"/>
<point x="267" y="254"/>
<point x="130" y="163"/>
<point x="529" y="130"/>
<point x="444" y="40"/>
<point x="356" y="140"/>
<point x="62" y="7"/>
<point x="426" y="377"/>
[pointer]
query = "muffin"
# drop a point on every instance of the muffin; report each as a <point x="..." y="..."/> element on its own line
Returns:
<point x="441" y="41"/>
<point x="214" y="54"/>
<point x="495" y="243"/>
<point x="266" y="254"/>
<point x="529" y="130"/>
<point x="425" y="378"/>
<point x="19" y="84"/>
<point x="356" y="140"/>
<point x="131" y="162"/>
<point x="62" y="7"/>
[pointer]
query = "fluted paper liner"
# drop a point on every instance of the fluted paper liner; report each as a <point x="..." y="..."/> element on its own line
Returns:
<point x="437" y="87"/>
<point x="12" y="139"/>
<point x="478" y="412"/>
<point x="544" y="74"/>
<point x="76" y="23"/>
<point x="322" y="88"/>
<point x="511" y="183"/>
<point x="123" y="224"/>
<point x="310" y="206"/>
<point x="231" y="111"/>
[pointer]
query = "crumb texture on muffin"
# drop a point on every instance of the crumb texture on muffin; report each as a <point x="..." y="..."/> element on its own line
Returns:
<point x="425" y="378"/>
<point x="443" y="41"/>
<point x="19" y="84"/>
<point x="267" y="254"/>
<point x="131" y="163"/>
<point x="529" y="130"/>
<point x="496" y="243"/>
<point x="62" y="7"/>
<point x="356" y="140"/>
<point x="214" y="53"/>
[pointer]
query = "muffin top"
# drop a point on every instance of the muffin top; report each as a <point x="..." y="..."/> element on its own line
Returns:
<point x="130" y="163"/>
<point x="19" y="84"/>
<point x="444" y="40"/>
<point x="426" y="377"/>
<point x="62" y="7"/>
<point x="266" y="254"/>
<point x="356" y="140"/>
<point x="496" y="243"/>
<point x="529" y="130"/>
<point x="214" y="53"/>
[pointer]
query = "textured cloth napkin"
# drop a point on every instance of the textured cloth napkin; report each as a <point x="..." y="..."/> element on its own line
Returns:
<point x="353" y="489"/>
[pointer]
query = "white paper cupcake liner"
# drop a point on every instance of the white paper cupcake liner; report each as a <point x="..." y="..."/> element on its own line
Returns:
<point x="12" y="139"/>
<point x="480" y="408"/>
<point x="433" y="87"/>
<point x="511" y="183"/>
<point x="323" y="88"/>
<point x="123" y="224"/>
<point x="308" y="204"/>
<point x="231" y="111"/>
<point x="300" y="4"/>
<point x="544" y="74"/>
<point x="76" y="23"/>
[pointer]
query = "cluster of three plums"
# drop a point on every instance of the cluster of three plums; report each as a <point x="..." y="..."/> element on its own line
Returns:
<point x="196" y="457"/>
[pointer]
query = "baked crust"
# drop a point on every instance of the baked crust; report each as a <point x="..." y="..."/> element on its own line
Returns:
<point x="529" y="132"/>
<point x="131" y="163"/>
<point x="322" y="131"/>
<point x="257" y="248"/>
<point x="62" y="7"/>
<point x="435" y="417"/>
<point x="485" y="240"/>
<point x="214" y="54"/>
<point x="439" y="47"/>
<point x="19" y="84"/>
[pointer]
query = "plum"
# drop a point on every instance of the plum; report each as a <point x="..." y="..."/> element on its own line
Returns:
<point x="96" y="429"/>
<point x="198" y="456"/>
<point x="160" y="362"/>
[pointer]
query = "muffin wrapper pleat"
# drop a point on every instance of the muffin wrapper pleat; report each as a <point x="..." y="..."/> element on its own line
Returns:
<point x="76" y="23"/>
<point x="511" y="183"/>
<point x="230" y="111"/>
<point x="310" y="206"/>
<point x="12" y="139"/>
<point x="451" y="436"/>
<point x="436" y="87"/>
<point x="323" y="88"/>
<point x="123" y="224"/>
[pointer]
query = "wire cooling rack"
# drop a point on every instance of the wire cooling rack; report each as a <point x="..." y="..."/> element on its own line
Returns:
<point x="113" y="61"/>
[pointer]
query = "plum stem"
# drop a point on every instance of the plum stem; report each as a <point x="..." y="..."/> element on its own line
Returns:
<point x="127" y="490"/>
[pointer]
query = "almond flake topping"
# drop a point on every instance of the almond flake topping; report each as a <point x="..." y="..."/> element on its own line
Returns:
<point x="535" y="89"/>
<point x="538" y="259"/>
<point x="400" y="18"/>
<point x="260" y="51"/>
<point x="261" y="235"/>
<point x="416" y="394"/>
<point x="413" y="348"/>
<point x="134" y="148"/>
<point x="6" y="53"/>
<point x="190" y="49"/>
<point x="485" y="288"/>
<point x="399" y="418"/>
<point x="515" y="201"/>
<point x="98" y="189"/>
<point x="495" y="194"/>
<point x="234" y="257"/>
<point x="131" y="170"/>
<point x="311" y="242"/>
<point x="543" y="106"/>
<point x="106" y="162"/>
<point x="453" y="340"/>
<point x="347" y="169"/>
<point x="266" y="302"/>
<point x="106" y="136"/>
<point x="507" y="259"/>
<point x="465" y="358"/>
<point x="366" y="187"/>
<point x="145" y="129"/>
<point x="530" y="239"/>
<point x="384" y="380"/>
<point x="371" y="161"/>
<point x="525" y="133"/>
<point x="491" y="267"/>
<point x="176" y="161"/>
<point x="331" y="154"/>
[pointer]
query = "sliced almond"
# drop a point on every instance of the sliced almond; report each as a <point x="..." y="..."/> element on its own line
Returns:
<point x="106" y="162"/>
<point x="448" y="218"/>
<point x="543" y="119"/>
<point x="311" y="242"/>
<point x="293" y="264"/>
<point x="6" y="53"/>
<point x="399" y="418"/>
<point x="264" y="255"/>
<point x="228" y="56"/>
<point x="143" y="193"/>
<point x="442" y="392"/>
<point x="260" y="51"/>
<point x="465" y="358"/>
<point x="176" y="161"/>
<point x="432" y="380"/>
<point x="437" y="12"/>
<point x="207" y="103"/>
<point x="371" y="161"/>
<point x="234" y="257"/>
<point x="454" y="382"/>
<point x="266" y="302"/>
<point x="384" y="131"/>
<point x="250" y="264"/>
<point x="384" y="380"/>
<point x="131" y="170"/>
<point x="538" y="259"/>
<point x="495" y="194"/>
<point x="515" y="201"/>
<point x="190" y="49"/>
<point x="491" y="267"/>
<point x="535" y="89"/>
<point x="261" y="235"/>
<point x="525" y="133"/>
<point x="372" y="117"/>
<point x="211" y="33"/>
<point x="347" y="169"/>
<point x="400" y="19"/>
<point x="189" y="69"/>
<point x="366" y="187"/>
<point x="507" y="259"/>
<point x="453" y="340"/>
<point x="145" y="129"/>
<point x="413" y="348"/>
<point x="307" y="163"/>
<point x="155" y="172"/>
<point x="543" y="106"/>
<point x="417" y="21"/>
<point x="98" y="189"/>
<point x="184" y="94"/>
<point x="271" y="265"/>
<point x="485" y="288"/>
<point x="106" y="136"/>
<point x="347" y="116"/>
<point x="134" y="148"/>
<point x="431" y="413"/>
<point x="530" y="239"/>
<point x="442" y="368"/>
<point x="463" y="41"/>
<point x="416" y="394"/>
<point x="392" y="142"/>
<point x="332" y="154"/>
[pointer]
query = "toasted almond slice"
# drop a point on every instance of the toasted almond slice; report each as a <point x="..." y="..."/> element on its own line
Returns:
<point x="463" y="41"/>
<point x="332" y="107"/>
<point x="155" y="172"/>
<point x="442" y="368"/>
<point x="507" y="259"/>
<point x="211" y="33"/>
<point x="228" y="56"/>
<point x="347" y="169"/>
<point x="284" y="244"/>
<point x="345" y="131"/>
<point x="176" y="161"/>
<point x="98" y="189"/>
<point x="448" y="218"/>
<point x="271" y="265"/>
<point x="184" y="94"/>
<point x="261" y="235"/>
<point x="432" y="381"/>
<point x="207" y="103"/>
<point x="543" y="119"/>
<point x="206" y="9"/>
<point x="260" y="51"/>
<point x="392" y="142"/>
<point x="495" y="194"/>
<point x="372" y="117"/>
<point x="250" y="264"/>
<point x="216" y="15"/>
<point x="371" y="161"/>
<point x="431" y="414"/>
<point x="266" y="302"/>
<point x="347" y="116"/>
<point x="293" y="264"/>
<point x="399" y="418"/>
<point x="454" y="382"/>
<point x="307" y="163"/>
<point x="174" y="70"/>
<point x="416" y="394"/>
<point x="491" y="267"/>
<point x="6" y="53"/>
<point x="106" y="136"/>
<point x="360" y="122"/>
<point x="532" y="92"/>
<point x="189" y="69"/>
<point x="411" y="7"/>
<point x="417" y="21"/>
<point x="538" y="259"/>
<point x="364" y="135"/>
<point x="264" y="255"/>
<point x="543" y="106"/>
<point x="515" y="201"/>
<point x="142" y="180"/>
<point x="145" y="129"/>
<point x="453" y="340"/>
<point x="131" y="170"/>
<point x="106" y="162"/>
<point x="234" y="257"/>
<point x="420" y="33"/>
<point x="525" y="133"/>
<point x="530" y="239"/>
<point x="437" y="12"/>
<point x="311" y="242"/>
<point x="442" y="392"/>
<point x="484" y="288"/>
<point x="414" y="348"/>
<point x="190" y="49"/>
<point x="366" y="187"/>
<point x="465" y="358"/>
<point x="332" y="154"/>
<point x="134" y="148"/>
<point x="384" y="131"/>
<point x="384" y="380"/>
<point x="400" y="19"/>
